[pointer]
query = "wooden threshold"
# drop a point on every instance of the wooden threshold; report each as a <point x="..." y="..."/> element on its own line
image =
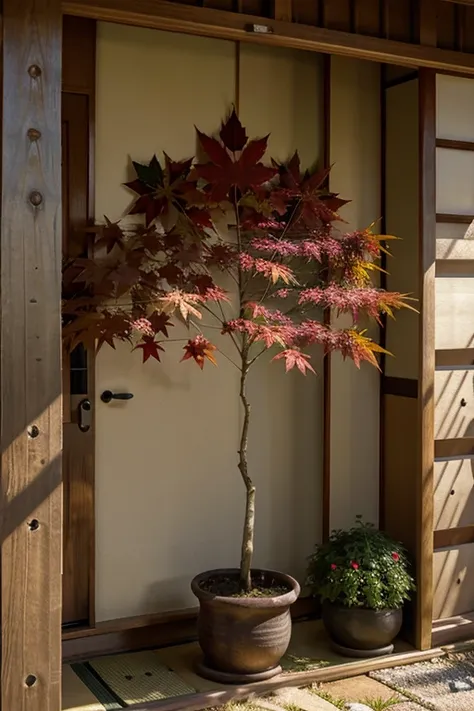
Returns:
<point x="163" y="629"/>
<point x="203" y="700"/>
<point x="222" y="24"/>
<point x="454" y="144"/>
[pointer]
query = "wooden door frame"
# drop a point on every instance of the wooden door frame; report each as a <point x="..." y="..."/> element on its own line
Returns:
<point x="79" y="39"/>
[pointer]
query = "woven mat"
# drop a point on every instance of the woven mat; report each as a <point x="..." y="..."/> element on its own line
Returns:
<point x="137" y="678"/>
<point x="444" y="684"/>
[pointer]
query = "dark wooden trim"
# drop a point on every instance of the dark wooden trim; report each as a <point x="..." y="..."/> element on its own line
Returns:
<point x="454" y="145"/>
<point x="326" y="516"/>
<point x="424" y="479"/>
<point x="453" y="537"/>
<point x="411" y="76"/>
<point x="404" y="387"/>
<point x="454" y="358"/>
<point x="149" y="631"/>
<point x="30" y="356"/>
<point x="222" y="24"/>
<point x="454" y="448"/>
<point x="428" y="23"/>
<point x="453" y="629"/>
<point x="443" y="217"/>
<point x="79" y="39"/>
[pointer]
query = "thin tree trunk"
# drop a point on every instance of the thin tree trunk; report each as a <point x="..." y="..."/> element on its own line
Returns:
<point x="249" y="524"/>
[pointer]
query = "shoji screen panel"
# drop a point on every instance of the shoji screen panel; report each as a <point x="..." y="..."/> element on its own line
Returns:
<point x="453" y="564"/>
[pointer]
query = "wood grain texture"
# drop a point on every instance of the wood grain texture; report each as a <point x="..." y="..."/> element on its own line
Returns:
<point x="453" y="629"/>
<point x="78" y="77"/>
<point x="427" y="255"/>
<point x="31" y="356"/>
<point x="207" y="22"/>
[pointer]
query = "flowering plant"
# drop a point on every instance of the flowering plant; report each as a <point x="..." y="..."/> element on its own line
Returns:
<point x="269" y="230"/>
<point x="361" y="567"/>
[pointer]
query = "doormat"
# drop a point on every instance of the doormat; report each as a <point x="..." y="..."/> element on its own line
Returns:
<point x="126" y="679"/>
<point x="443" y="684"/>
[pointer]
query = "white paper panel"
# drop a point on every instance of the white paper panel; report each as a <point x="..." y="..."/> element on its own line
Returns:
<point x="454" y="313"/>
<point x="454" y="107"/>
<point x="446" y="230"/>
<point x="455" y="181"/>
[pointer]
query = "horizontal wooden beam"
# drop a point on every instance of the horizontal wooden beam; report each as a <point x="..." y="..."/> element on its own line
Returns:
<point x="454" y="448"/>
<point x="454" y="358"/>
<point x="451" y="218"/>
<point x="175" y="17"/>
<point x="454" y="144"/>
<point x="403" y="387"/>
<point x="455" y="267"/>
<point x="453" y="537"/>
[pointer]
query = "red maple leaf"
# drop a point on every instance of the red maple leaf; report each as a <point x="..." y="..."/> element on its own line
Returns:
<point x="159" y="188"/>
<point x="226" y="171"/>
<point x="199" y="348"/>
<point x="110" y="235"/>
<point x="150" y="348"/>
<point x="294" y="358"/>
<point x="160" y="322"/>
<point x="315" y="202"/>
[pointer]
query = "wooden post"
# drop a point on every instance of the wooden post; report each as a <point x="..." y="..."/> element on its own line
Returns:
<point x="427" y="265"/>
<point x="30" y="357"/>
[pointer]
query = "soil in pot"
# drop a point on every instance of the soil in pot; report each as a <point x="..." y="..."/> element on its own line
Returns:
<point x="360" y="632"/>
<point x="243" y="636"/>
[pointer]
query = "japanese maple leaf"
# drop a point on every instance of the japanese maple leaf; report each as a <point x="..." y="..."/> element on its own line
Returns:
<point x="183" y="302"/>
<point x="199" y="348"/>
<point x="160" y="322"/>
<point x="150" y="348"/>
<point x="111" y="235"/>
<point x="237" y="166"/>
<point x="159" y="188"/>
<point x="294" y="358"/>
<point x="315" y="202"/>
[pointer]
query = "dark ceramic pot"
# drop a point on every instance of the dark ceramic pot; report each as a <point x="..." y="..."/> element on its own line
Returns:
<point x="360" y="630"/>
<point x="244" y="638"/>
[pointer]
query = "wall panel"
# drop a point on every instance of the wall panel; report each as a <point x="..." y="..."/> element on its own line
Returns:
<point x="169" y="496"/>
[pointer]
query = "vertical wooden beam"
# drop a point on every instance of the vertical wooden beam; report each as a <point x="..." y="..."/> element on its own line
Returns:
<point x="283" y="10"/>
<point x="427" y="217"/>
<point x="428" y="10"/>
<point x="327" y="320"/>
<point x="30" y="356"/>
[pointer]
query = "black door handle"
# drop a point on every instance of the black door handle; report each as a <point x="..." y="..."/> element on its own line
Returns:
<point x="108" y="396"/>
<point x="85" y="415"/>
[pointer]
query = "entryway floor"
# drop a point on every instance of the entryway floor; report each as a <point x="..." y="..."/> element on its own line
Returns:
<point x="165" y="678"/>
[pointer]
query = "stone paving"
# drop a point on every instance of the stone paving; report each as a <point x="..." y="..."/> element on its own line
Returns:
<point x="360" y="693"/>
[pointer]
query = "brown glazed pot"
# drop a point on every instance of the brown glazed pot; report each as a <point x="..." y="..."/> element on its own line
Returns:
<point x="244" y="638"/>
<point x="358" y="631"/>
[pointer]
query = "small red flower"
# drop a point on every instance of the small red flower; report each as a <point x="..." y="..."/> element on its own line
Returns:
<point x="395" y="557"/>
<point x="354" y="565"/>
<point x="333" y="566"/>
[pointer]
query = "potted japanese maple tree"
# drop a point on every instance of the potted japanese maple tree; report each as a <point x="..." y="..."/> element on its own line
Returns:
<point x="288" y="262"/>
<point x="362" y="578"/>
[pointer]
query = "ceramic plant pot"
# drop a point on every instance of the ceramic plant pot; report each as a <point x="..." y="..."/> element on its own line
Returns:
<point x="243" y="638"/>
